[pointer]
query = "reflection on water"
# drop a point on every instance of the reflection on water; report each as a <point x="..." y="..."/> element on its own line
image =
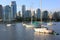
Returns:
<point x="19" y="32"/>
<point x="40" y="36"/>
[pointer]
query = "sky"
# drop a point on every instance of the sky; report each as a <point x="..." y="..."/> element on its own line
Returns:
<point x="50" y="5"/>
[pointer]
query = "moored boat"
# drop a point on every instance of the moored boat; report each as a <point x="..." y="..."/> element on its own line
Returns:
<point x="8" y="24"/>
<point x="43" y="29"/>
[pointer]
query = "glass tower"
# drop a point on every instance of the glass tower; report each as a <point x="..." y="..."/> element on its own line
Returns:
<point x="23" y="11"/>
<point x="1" y="12"/>
<point x="13" y="9"/>
<point x="7" y="14"/>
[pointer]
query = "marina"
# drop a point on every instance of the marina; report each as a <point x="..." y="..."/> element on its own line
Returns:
<point x="19" y="32"/>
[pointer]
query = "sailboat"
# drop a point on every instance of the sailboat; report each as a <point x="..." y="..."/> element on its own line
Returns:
<point x="42" y="29"/>
<point x="29" y="25"/>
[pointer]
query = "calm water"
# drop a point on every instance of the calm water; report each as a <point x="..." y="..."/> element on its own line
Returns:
<point x="19" y="32"/>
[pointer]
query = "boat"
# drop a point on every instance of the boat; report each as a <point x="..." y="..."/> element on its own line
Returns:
<point x="43" y="30"/>
<point x="8" y="25"/>
<point x="23" y="24"/>
<point x="28" y="25"/>
<point x="32" y="24"/>
<point x="50" y="24"/>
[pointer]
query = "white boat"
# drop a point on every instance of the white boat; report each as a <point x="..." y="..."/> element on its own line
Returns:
<point x="8" y="25"/>
<point x="43" y="30"/>
<point x="23" y="24"/>
<point x="50" y="24"/>
<point x="28" y="25"/>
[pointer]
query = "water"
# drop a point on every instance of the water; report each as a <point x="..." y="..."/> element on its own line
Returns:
<point x="19" y="32"/>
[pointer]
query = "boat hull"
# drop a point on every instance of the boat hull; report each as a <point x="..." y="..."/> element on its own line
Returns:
<point x="28" y="25"/>
<point x="8" y="25"/>
<point x="43" y="30"/>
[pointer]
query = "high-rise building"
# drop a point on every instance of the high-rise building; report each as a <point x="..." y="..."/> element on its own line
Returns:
<point x="56" y="15"/>
<point x="23" y="11"/>
<point x="7" y="13"/>
<point x="38" y="12"/>
<point x="13" y="9"/>
<point x="19" y="13"/>
<point x="28" y="14"/>
<point x="1" y="12"/>
<point x="45" y="15"/>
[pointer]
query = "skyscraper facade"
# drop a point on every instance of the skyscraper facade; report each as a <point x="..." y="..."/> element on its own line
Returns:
<point x="1" y="12"/>
<point x="7" y="13"/>
<point x="23" y="11"/>
<point x="56" y="15"/>
<point x="13" y="9"/>
<point x="38" y="12"/>
<point x="45" y="15"/>
<point x="28" y="14"/>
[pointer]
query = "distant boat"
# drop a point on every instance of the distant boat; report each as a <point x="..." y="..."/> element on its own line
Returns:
<point x="50" y="24"/>
<point x="23" y="24"/>
<point x="32" y="24"/>
<point x="8" y="25"/>
<point x="28" y="25"/>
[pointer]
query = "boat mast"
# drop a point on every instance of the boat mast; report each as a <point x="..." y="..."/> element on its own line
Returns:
<point x="41" y="9"/>
<point x="31" y="8"/>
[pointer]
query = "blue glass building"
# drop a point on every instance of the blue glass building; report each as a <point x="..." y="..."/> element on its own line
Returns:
<point x="7" y="13"/>
<point x="38" y="12"/>
<point x="13" y="9"/>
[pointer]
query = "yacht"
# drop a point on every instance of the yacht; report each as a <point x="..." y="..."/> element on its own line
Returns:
<point x="43" y="30"/>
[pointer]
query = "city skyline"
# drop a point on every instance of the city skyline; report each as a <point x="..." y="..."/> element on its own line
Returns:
<point x="50" y="5"/>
